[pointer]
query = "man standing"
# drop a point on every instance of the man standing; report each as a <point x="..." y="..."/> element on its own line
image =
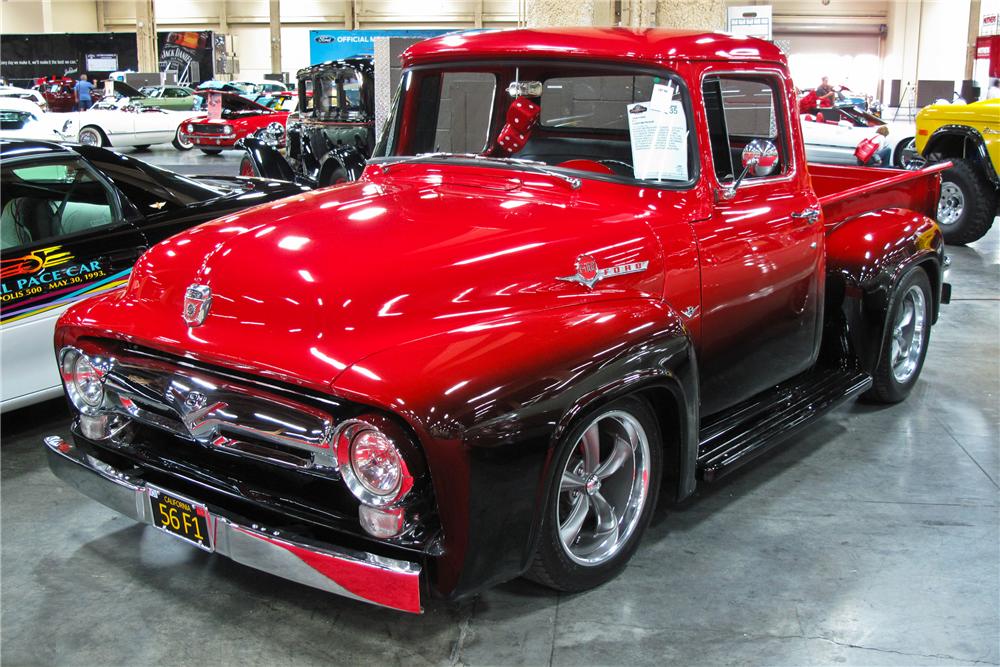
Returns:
<point x="82" y="91"/>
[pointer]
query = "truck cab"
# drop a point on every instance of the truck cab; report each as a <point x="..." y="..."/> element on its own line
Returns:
<point x="585" y="270"/>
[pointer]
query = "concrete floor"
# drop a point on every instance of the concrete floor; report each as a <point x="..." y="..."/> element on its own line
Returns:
<point x="871" y="540"/>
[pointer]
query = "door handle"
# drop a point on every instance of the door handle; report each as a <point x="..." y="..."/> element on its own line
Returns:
<point x="810" y="215"/>
<point x="122" y="259"/>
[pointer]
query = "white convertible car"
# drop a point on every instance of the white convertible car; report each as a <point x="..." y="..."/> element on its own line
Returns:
<point x="831" y="135"/>
<point x="23" y="119"/>
<point x="110" y="124"/>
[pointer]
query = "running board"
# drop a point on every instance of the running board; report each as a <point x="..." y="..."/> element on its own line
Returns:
<point x="741" y="433"/>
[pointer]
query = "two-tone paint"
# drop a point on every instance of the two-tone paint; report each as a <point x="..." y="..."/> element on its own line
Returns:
<point x="429" y="292"/>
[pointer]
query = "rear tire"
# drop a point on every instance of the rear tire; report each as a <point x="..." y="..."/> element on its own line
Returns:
<point x="605" y="481"/>
<point x="211" y="151"/>
<point x="901" y="357"/>
<point x="967" y="205"/>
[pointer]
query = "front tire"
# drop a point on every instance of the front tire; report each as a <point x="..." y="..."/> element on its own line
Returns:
<point x="905" y="346"/>
<point x="92" y="136"/>
<point x="181" y="142"/>
<point x="604" y="488"/>
<point x="247" y="167"/>
<point x="211" y="151"/>
<point x="967" y="205"/>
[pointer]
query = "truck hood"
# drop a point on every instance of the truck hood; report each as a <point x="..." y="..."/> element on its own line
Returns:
<point x="310" y="285"/>
<point x="983" y="112"/>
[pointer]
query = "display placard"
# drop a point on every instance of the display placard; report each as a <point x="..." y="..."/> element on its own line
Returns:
<point x="101" y="62"/>
<point x="658" y="134"/>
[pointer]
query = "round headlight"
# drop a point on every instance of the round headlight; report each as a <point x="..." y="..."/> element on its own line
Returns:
<point x="371" y="464"/>
<point x="227" y="129"/>
<point x="376" y="462"/>
<point x="190" y="128"/>
<point x="84" y="380"/>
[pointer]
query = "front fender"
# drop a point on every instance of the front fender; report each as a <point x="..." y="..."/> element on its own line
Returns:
<point x="268" y="162"/>
<point x="349" y="158"/>
<point x="970" y="137"/>
<point x="490" y="401"/>
<point x="866" y="257"/>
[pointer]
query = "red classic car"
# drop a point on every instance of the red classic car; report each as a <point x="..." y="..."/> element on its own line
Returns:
<point x="585" y="271"/>
<point x="237" y="119"/>
<point x="59" y="94"/>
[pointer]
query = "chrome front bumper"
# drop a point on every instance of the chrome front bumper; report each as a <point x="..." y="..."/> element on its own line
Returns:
<point x="362" y="576"/>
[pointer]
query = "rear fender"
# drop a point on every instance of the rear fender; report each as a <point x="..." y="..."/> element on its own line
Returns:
<point x="490" y="402"/>
<point x="268" y="162"/>
<point x="866" y="258"/>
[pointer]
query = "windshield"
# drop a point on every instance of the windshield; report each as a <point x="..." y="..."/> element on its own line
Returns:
<point x="608" y="122"/>
<point x="15" y="120"/>
<point x="341" y="94"/>
<point x="149" y="187"/>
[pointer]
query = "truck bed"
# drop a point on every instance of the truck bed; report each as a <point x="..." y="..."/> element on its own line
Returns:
<point x="847" y="192"/>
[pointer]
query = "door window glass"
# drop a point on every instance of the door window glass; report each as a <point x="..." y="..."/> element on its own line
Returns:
<point x="739" y="110"/>
<point x="51" y="200"/>
<point x="464" y="111"/>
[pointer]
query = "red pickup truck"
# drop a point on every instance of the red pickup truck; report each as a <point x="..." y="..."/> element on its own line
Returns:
<point x="586" y="271"/>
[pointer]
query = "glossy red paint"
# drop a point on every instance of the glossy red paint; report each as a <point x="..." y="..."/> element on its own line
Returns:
<point x="648" y="45"/>
<point x="243" y="116"/>
<point x="431" y="290"/>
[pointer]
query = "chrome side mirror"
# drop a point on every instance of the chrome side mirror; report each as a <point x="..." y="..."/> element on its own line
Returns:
<point x="759" y="158"/>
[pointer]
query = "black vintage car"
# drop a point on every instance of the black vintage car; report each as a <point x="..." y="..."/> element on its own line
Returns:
<point x="73" y="221"/>
<point x="330" y="135"/>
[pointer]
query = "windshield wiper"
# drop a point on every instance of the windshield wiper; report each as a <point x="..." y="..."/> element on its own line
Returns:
<point x="539" y="167"/>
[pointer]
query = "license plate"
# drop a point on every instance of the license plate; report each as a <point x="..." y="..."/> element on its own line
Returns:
<point x="182" y="518"/>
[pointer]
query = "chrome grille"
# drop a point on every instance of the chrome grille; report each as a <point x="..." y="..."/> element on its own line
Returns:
<point x="222" y="413"/>
<point x="208" y="129"/>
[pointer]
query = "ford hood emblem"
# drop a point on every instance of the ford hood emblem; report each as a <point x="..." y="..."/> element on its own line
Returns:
<point x="197" y="302"/>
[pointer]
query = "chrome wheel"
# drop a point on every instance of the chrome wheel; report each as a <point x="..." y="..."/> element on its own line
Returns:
<point x="951" y="204"/>
<point x="604" y="487"/>
<point x="908" y="335"/>
<point x="90" y="137"/>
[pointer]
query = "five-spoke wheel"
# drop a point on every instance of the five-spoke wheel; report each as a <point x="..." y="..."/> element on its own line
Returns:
<point x="905" y="344"/>
<point x="606" y="478"/>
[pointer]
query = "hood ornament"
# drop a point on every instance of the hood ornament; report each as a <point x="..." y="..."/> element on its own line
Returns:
<point x="197" y="302"/>
<point x="588" y="274"/>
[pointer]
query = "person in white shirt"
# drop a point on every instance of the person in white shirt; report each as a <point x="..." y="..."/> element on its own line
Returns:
<point x="994" y="91"/>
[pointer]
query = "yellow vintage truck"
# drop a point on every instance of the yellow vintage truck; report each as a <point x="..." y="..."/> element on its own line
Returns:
<point x="969" y="136"/>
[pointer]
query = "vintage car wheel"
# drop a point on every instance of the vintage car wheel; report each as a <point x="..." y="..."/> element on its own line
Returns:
<point x="91" y="136"/>
<point x="181" y="142"/>
<point x="247" y="167"/>
<point x="607" y="477"/>
<point x="967" y="204"/>
<point x="211" y="151"/>
<point x="907" y="156"/>
<point x="902" y="355"/>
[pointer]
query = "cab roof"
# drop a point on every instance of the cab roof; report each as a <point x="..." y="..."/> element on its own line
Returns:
<point x="622" y="44"/>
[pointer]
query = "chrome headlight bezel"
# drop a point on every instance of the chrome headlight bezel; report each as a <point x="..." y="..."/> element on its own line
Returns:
<point x="87" y="398"/>
<point x="347" y="437"/>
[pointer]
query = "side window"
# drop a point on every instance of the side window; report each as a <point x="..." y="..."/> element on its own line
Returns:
<point x="173" y="92"/>
<point x="739" y="110"/>
<point x="50" y="200"/>
<point x="463" y="120"/>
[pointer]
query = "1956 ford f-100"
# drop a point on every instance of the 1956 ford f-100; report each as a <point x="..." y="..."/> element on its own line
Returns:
<point x="585" y="270"/>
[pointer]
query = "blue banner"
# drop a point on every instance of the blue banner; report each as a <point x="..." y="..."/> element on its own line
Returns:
<point x="339" y="44"/>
